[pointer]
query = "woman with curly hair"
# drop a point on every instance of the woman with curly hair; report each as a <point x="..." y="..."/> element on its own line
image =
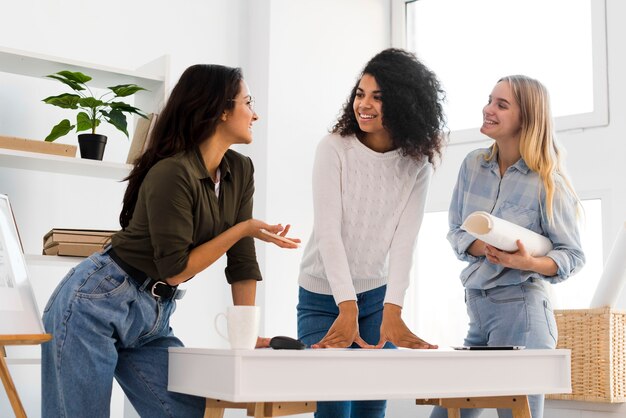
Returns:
<point x="521" y="179"/>
<point x="370" y="179"/>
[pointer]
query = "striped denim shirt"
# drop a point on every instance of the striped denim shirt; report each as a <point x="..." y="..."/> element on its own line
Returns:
<point x="518" y="196"/>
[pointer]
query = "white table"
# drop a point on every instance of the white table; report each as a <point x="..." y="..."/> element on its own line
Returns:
<point x="253" y="377"/>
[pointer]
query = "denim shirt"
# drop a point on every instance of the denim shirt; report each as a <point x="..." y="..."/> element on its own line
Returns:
<point x="519" y="197"/>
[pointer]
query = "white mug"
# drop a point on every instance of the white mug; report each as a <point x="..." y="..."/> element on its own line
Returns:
<point x="242" y="323"/>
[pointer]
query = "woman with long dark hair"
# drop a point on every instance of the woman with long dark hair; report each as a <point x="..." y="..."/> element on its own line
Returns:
<point x="188" y="202"/>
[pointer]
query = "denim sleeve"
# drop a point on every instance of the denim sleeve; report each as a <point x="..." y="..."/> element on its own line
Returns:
<point x="458" y="238"/>
<point x="564" y="232"/>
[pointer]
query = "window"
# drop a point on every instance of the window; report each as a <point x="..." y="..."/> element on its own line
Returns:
<point x="471" y="44"/>
<point x="577" y="291"/>
<point x="439" y="298"/>
<point x="436" y="310"/>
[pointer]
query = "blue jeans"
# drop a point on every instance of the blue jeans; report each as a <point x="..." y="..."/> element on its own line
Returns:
<point x="105" y="325"/>
<point x="509" y="315"/>
<point x="316" y="314"/>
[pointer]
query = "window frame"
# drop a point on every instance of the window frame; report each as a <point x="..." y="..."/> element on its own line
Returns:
<point x="596" y="118"/>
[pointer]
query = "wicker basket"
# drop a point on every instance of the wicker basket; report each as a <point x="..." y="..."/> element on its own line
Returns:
<point x="597" y="338"/>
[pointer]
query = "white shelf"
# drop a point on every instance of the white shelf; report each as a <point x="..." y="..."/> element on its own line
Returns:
<point x="31" y="361"/>
<point x="152" y="76"/>
<point x="63" y="165"/>
<point x="39" y="65"/>
<point x="43" y="260"/>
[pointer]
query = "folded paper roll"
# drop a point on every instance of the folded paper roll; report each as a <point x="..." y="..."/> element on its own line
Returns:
<point x="614" y="274"/>
<point x="504" y="234"/>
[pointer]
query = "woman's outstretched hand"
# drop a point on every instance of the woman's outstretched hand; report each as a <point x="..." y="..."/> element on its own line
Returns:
<point x="275" y="234"/>
<point x="394" y="330"/>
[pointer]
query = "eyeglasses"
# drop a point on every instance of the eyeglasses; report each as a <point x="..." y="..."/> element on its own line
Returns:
<point x="249" y="101"/>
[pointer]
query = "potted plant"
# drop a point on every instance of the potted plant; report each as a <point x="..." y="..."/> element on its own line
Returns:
<point x="93" y="110"/>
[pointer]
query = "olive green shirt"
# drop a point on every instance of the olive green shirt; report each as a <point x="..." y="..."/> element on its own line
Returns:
<point x="177" y="210"/>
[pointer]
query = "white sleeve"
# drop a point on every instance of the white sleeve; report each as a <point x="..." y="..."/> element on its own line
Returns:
<point x="327" y="219"/>
<point x="405" y="237"/>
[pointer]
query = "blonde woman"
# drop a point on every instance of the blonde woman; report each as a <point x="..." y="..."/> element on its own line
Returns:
<point x="520" y="179"/>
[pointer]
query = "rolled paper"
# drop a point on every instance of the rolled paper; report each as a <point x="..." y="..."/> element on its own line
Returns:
<point x="504" y="234"/>
<point x="613" y="275"/>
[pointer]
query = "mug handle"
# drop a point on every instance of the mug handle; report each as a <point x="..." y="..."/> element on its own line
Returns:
<point x="217" y="328"/>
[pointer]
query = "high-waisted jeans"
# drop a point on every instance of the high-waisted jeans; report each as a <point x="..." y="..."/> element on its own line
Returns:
<point x="510" y="315"/>
<point x="105" y="325"/>
<point x="316" y="314"/>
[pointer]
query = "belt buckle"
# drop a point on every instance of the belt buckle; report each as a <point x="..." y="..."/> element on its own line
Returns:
<point x="154" y="287"/>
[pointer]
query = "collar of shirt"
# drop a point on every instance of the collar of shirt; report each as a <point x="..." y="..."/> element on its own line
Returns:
<point x="492" y="164"/>
<point x="199" y="169"/>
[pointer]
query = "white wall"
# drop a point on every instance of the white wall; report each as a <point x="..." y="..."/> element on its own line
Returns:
<point x="317" y="50"/>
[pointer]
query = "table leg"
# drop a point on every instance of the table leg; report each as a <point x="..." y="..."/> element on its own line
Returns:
<point x="215" y="408"/>
<point x="259" y="410"/>
<point x="9" y="387"/>
<point x="454" y="413"/>
<point x="211" y="412"/>
<point x="281" y="409"/>
<point x="517" y="404"/>
<point x="521" y="408"/>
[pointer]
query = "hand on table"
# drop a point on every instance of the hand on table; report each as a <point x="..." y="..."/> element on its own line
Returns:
<point x="262" y="342"/>
<point x="394" y="330"/>
<point x="345" y="329"/>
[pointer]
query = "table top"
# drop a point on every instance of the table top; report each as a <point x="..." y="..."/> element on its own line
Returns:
<point x="266" y="375"/>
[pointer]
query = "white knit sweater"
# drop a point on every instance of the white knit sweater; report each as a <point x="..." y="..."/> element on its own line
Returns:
<point x="368" y="208"/>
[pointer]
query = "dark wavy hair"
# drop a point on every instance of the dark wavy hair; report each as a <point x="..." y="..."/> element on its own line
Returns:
<point x="412" y="104"/>
<point x="189" y="117"/>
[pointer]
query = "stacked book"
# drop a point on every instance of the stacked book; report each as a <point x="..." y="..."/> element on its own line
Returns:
<point x="75" y="242"/>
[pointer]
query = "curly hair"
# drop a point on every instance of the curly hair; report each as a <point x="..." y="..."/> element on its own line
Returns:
<point x="412" y="104"/>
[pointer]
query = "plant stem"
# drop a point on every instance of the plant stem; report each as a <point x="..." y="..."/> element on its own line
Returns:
<point x="93" y="120"/>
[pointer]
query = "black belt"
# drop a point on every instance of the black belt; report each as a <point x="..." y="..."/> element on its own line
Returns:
<point x="158" y="288"/>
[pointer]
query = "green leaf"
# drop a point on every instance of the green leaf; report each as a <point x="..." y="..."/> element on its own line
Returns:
<point x="117" y="119"/>
<point x="75" y="76"/>
<point x="124" y="90"/>
<point x="65" y="100"/>
<point x="59" y="130"/>
<point x="84" y="122"/>
<point x="93" y="110"/>
<point x="125" y="107"/>
<point x="73" y="84"/>
<point x="90" y="102"/>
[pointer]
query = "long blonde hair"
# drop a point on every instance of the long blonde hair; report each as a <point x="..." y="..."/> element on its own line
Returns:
<point x="538" y="146"/>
